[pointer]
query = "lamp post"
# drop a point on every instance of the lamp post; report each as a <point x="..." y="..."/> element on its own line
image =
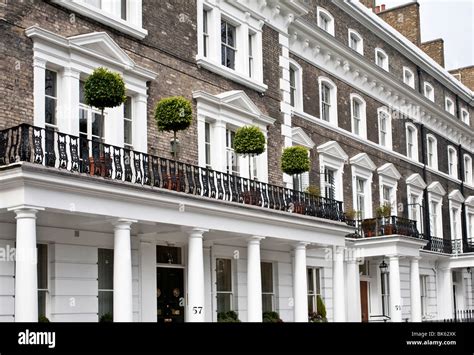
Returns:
<point x="383" y="271"/>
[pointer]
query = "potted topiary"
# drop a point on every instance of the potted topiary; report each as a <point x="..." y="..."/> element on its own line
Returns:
<point x="350" y="217"/>
<point x="320" y="315"/>
<point x="294" y="161"/>
<point x="313" y="191"/>
<point x="383" y="213"/>
<point x="228" y="317"/>
<point x="271" y="317"/>
<point x="106" y="318"/>
<point x="173" y="114"/>
<point x="103" y="89"/>
<point x="249" y="141"/>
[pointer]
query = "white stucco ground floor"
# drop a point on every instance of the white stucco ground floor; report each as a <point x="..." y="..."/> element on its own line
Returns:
<point x="77" y="248"/>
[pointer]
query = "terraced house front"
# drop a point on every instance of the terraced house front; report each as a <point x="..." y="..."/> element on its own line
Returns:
<point x="99" y="220"/>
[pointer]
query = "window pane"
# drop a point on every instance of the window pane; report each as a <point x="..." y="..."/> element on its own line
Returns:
<point x="50" y="83"/>
<point x="168" y="255"/>
<point x="230" y="58"/>
<point x="97" y="125"/>
<point x="83" y="121"/>
<point x="106" y="269"/>
<point x="224" y="275"/>
<point x="127" y="134"/>
<point x="310" y="280"/>
<point x="82" y="98"/>
<point x="230" y="35"/>
<point x="127" y="108"/>
<point x="267" y="277"/>
<point x="123" y="9"/>
<point x="50" y="110"/>
<point x="42" y="303"/>
<point x="318" y="281"/>
<point x="267" y="303"/>
<point x="106" y="303"/>
<point x="224" y="302"/>
<point x="42" y="266"/>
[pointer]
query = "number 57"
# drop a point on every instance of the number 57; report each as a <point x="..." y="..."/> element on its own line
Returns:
<point x="197" y="310"/>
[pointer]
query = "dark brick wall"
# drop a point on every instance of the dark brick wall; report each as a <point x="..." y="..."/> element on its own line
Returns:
<point x="435" y="49"/>
<point x="405" y="19"/>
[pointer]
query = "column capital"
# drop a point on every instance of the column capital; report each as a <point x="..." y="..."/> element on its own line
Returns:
<point x="25" y="211"/>
<point x="195" y="232"/>
<point x="415" y="259"/>
<point x="39" y="63"/>
<point x="73" y="73"/>
<point x="393" y="257"/>
<point x="300" y="245"/>
<point x="255" y="240"/>
<point x="123" y="223"/>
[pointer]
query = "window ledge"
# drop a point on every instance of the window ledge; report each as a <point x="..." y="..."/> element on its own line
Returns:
<point x="230" y="74"/>
<point x="105" y="18"/>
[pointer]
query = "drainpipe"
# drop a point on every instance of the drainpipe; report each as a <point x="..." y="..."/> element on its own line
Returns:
<point x="426" y="205"/>
<point x="458" y="109"/>
<point x="463" y="205"/>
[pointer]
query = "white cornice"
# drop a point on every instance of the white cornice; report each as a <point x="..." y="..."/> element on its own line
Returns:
<point x="389" y="170"/>
<point x="374" y="23"/>
<point x="437" y="188"/>
<point x="333" y="149"/>
<point x="362" y="160"/>
<point x="320" y="49"/>
<point x="417" y="181"/>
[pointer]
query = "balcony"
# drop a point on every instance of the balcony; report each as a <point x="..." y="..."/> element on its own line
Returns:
<point x="448" y="246"/>
<point x="383" y="226"/>
<point x="78" y="155"/>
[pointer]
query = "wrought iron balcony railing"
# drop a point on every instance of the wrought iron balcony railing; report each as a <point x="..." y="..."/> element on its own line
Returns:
<point x="47" y="147"/>
<point x="383" y="226"/>
<point x="450" y="246"/>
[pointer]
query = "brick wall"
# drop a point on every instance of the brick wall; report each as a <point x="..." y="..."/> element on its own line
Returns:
<point x="435" y="49"/>
<point x="405" y="19"/>
<point x="465" y="76"/>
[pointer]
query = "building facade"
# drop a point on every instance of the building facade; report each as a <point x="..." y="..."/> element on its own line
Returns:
<point x="98" y="220"/>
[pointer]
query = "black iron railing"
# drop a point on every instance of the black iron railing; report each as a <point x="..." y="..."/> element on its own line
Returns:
<point x="382" y="226"/>
<point x="450" y="246"/>
<point x="47" y="147"/>
<point x="459" y="316"/>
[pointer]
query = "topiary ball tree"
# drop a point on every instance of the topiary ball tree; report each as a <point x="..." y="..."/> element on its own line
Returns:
<point x="104" y="88"/>
<point x="249" y="140"/>
<point x="295" y="160"/>
<point x="173" y="114"/>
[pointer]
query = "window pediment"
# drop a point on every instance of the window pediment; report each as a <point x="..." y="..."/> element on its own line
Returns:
<point x="362" y="160"/>
<point x="470" y="201"/>
<point x="390" y="171"/>
<point x="300" y="137"/>
<point x="333" y="149"/>
<point x="417" y="181"/>
<point x="456" y="195"/>
<point x="436" y="188"/>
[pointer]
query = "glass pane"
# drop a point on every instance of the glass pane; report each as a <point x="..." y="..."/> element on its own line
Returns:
<point x="224" y="302"/>
<point x="106" y="303"/>
<point x="223" y="32"/>
<point x="168" y="255"/>
<point x="127" y="133"/>
<point x="224" y="275"/>
<point x="123" y="9"/>
<point x="83" y="121"/>
<point x="42" y="303"/>
<point x="231" y="35"/>
<point x="230" y="60"/>
<point x="82" y="98"/>
<point x="311" y="307"/>
<point x="42" y="266"/>
<point x="267" y="277"/>
<point x="267" y="303"/>
<point x="50" y="83"/>
<point x="50" y="110"/>
<point x="127" y="108"/>
<point x="310" y="280"/>
<point x="97" y="125"/>
<point x="106" y="269"/>
<point x="318" y="282"/>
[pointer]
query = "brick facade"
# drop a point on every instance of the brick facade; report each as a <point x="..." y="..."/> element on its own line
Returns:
<point x="435" y="49"/>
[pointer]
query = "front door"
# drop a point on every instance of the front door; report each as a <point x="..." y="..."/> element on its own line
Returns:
<point x="364" y="301"/>
<point x="170" y="294"/>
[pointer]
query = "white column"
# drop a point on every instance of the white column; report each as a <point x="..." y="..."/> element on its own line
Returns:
<point x="68" y="99"/>
<point x="218" y="146"/>
<point x="254" y="281"/>
<point x="338" y="285"/>
<point x="123" y="305"/>
<point x="394" y="286"/>
<point x="148" y="282"/>
<point x="415" y="295"/>
<point x="139" y="123"/>
<point x="39" y="68"/>
<point x="300" y="286"/>
<point x="196" y="300"/>
<point x="353" y="291"/>
<point x="26" y="274"/>
<point x="445" y="294"/>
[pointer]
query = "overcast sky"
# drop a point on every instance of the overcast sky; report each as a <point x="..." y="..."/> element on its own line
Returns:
<point x="452" y="20"/>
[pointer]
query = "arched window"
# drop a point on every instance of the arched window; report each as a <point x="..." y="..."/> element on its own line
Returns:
<point x="432" y="151"/>
<point x="412" y="141"/>
<point x="452" y="162"/>
<point x="429" y="91"/>
<point x="465" y="116"/>
<point x="296" y="85"/>
<point x="381" y="59"/>
<point x="328" y="100"/>
<point x="468" y="169"/>
<point x="356" y="41"/>
<point x="325" y="20"/>
<point x="358" y="114"/>
<point x="449" y="105"/>
<point x="408" y="77"/>
<point x="385" y="128"/>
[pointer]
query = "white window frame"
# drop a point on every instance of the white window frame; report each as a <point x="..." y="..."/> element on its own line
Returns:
<point x="449" y="105"/>
<point x="272" y="294"/>
<point x="411" y="80"/>
<point x="359" y="43"/>
<point x="231" y="292"/>
<point x="388" y="177"/>
<point x="388" y="137"/>
<point x="247" y="24"/>
<point x="469" y="203"/>
<point x="73" y="59"/>
<point x="48" y="282"/>
<point x="452" y="162"/>
<point x="298" y="88"/>
<point x="465" y="116"/>
<point x="321" y="13"/>
<point x="428" y="91"/>
<point x="108" y="15"/>
<point x="362" y="167"/>
<point x="331" y="156"/>
<point x="333" y="109"/>
<point x="316" y="273"/>
<point x="415" y="187"/>
<point x="455" y="207"/>
<point x="363" y="115"/>
<point x="99" y="290"/>
<point x="424" y="295"/>
<point x="128" y="119"/>
<point x="231" y="109"/>
<point x="300" y="138"/>
<point x="385" y="60"/>
<point x="435" y="196"/>
<point x="415" y="154"/>
<point x="434" y="163"/>
<point x="468" y="174"/>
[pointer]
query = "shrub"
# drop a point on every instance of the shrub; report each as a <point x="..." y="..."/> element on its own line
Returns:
<point x="104" y="88"/>
<point x="384" y="211"/>
<point x="320" y="315"/>
<point x="249" y="140"/>
<point x="271" y="317"/>
<point x="106" y="318"/>
<point x="313" y="191"/>
<point x="295" y="160"/>
<point x="228" y="317"/>
<point x="43" y="319"/>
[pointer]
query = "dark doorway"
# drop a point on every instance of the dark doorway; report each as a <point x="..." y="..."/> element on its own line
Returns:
<point x="364" y="301"/>
<point x="170" y="294"/>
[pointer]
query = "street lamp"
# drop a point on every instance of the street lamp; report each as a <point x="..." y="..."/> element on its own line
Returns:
<point x="383" y="267"/>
